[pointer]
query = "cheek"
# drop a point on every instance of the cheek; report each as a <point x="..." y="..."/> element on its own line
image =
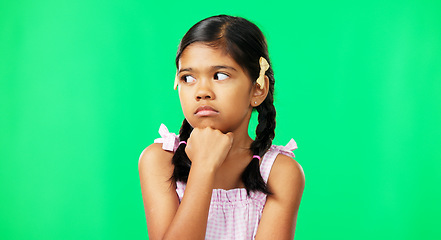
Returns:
<point x="240" y="95"/>
<point x="184" y="98"/>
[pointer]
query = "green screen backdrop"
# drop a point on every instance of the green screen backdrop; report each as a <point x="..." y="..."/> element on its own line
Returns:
<point x="85" y="85"/>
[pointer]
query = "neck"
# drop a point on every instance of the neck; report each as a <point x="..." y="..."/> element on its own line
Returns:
<point x="229" y="174"/>
<point x="241" y="143"/>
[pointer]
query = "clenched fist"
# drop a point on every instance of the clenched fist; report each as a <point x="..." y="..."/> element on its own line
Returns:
<point x="208" y="148"/>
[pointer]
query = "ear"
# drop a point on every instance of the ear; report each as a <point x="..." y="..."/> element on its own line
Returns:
<point x="175" y="86"/>
<point x="259" y="93"/>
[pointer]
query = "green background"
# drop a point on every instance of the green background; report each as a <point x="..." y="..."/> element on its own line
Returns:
<point x="85" y="84"/>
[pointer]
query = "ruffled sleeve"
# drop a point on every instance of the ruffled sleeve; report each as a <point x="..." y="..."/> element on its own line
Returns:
<point x="170" y="141"/>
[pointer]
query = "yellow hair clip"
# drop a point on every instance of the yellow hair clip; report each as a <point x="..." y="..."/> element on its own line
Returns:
<point x="263" y="67"/>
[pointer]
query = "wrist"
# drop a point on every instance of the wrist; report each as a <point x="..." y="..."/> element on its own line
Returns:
<point x="203" y="166"/>
<point x="202" y="177"/>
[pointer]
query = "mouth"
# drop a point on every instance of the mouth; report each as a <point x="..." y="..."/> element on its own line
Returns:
<point x="205" y="111"/>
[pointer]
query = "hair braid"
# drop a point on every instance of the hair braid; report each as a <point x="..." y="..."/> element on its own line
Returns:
<point x="252" y="177"/>
<point x="180" y="159"/>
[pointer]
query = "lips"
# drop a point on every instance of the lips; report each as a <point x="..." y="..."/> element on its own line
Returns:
<point x="205" y="111"/>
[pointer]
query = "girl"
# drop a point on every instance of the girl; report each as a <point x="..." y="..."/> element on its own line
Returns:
<point x="213" y="181"/>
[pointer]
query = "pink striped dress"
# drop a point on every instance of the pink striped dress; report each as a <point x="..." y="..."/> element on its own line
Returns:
<point x="233" y="214"/>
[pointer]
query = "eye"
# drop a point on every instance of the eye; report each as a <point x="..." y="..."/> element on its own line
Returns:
<point x="188" y="79"/>
<point x="220" y="76"/>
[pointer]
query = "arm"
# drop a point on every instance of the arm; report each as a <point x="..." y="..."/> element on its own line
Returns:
<point x="158" y="191"/>
<point x="286" y="181"/>
<point x="166" y="218"/>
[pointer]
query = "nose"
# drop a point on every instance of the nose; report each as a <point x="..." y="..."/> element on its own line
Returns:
<point x="204" y="91"/>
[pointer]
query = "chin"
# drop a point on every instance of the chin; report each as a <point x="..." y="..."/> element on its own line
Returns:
<point x="207" y="123"/>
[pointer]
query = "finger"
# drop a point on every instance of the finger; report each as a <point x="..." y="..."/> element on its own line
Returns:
<point x="194" y="131"/>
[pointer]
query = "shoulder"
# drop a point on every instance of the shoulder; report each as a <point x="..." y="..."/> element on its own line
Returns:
<point x="286" y="174"/>
<point x="154" y="158"/>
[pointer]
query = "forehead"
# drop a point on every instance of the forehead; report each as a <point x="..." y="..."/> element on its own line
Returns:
<point x="199" y="55"/>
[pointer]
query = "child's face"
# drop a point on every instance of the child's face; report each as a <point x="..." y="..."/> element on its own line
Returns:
<point x="214" y="90"/>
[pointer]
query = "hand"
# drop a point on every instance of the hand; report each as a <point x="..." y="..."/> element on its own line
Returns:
<point x="208" y="147"/>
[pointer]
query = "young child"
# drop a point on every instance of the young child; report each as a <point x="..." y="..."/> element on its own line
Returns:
<point x="213" y="181"/>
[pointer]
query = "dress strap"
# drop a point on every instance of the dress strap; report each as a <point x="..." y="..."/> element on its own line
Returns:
<point x="170" y="141"/>
<point x="270" y="157"/>
<point x="288" y="148"/>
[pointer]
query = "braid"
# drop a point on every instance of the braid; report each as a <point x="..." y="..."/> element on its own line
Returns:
<point x="180" y="159"/>
<point x="265" y="128"/>
<point x="252" y="177"/>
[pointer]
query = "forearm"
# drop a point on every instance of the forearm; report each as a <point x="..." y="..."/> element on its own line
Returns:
<point x="190" y="221"/>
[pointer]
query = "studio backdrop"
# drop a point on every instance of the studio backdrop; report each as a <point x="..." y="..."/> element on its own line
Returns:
<point x="85" y="85"/>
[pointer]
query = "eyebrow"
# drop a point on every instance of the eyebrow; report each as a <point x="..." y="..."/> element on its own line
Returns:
<point x="185" y="70"/>
<point x="213" y="67"/>
<point x="221" y="67"/>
